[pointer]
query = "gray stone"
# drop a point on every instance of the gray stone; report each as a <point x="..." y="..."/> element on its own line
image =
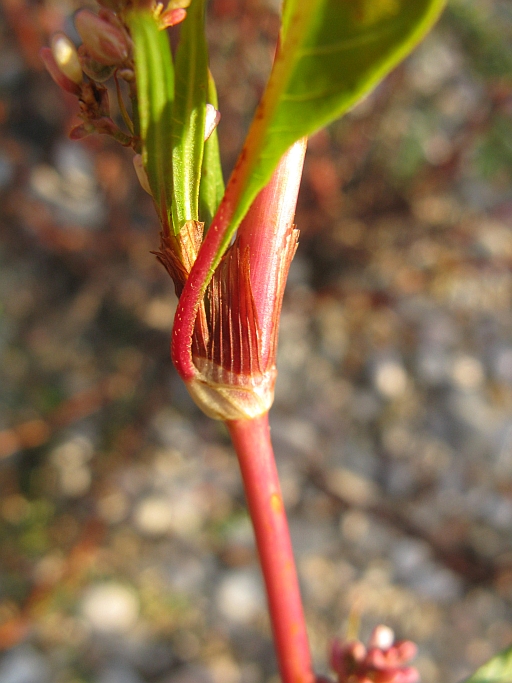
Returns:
<point x="24" y="664"/>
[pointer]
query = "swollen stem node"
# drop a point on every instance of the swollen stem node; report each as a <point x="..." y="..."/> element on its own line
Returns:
<point x="228" y="362"/>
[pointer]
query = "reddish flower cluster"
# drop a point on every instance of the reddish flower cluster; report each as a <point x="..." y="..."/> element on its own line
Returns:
<point x="106" y="51"/>
<point x="383" y="661"/>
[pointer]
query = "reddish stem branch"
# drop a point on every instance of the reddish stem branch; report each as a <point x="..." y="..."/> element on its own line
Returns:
<point x="251" y="439"/>
<point x="193" y="291"/>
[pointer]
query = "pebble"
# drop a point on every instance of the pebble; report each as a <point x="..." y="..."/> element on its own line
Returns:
<point x="70" y="188"/>
<point x="433" y="64"/>
<point x="174" y="431"/>
<point x="502" y="363"/>
<point x="413" y="565"/>
<point x="223" y="669"/>
<point x="301" y="435"/>
<point x="433" y="365"/>
<point x="110" y="607"/>
<point x="311" y="537"/>
<point x="436" y="583"/>
<point x="153" y="516"/>
<point x="113" y="507"/>
<point x="467" y="372"/>
<point x="240" y="597"/>
<point x="181" y="512"/>
<point x="390" y="378"/>
<point x="24" y="664"/>
<point x="188" y="574"/>
<point x="71" y="460"/>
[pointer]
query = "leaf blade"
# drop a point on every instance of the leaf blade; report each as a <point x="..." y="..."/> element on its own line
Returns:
<point x="189" y="115"/>
<point x="155" y="94"/>
<point x="315" y="37"/>
<point x="211" y="189"/>
<point x="496" y="670"/>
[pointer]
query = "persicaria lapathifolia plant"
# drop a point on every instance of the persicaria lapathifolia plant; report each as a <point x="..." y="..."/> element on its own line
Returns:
<point x="228" y="250"/>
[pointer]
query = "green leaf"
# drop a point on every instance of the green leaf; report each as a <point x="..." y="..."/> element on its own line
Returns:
<point x="155" y="93"/>
<point x="331" y="54"/>
<point x="496" y="670"/>
<point x="211" y="190"/>
<point x="189" y="115"/>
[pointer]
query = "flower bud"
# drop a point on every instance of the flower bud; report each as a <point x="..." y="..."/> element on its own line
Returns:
<point x="382" y="637"/>
<point x="211" y="120"/>
<point x="56" y="73"/>
<point x="171" y="17"/>
<point x="66" y="57"/>
<point x="104" y="41"/>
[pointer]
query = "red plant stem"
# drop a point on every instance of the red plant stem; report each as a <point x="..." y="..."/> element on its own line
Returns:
<point x="251" y="439"/>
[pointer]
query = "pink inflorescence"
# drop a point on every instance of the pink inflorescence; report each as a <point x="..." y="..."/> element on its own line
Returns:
<point x="383" y="661"/>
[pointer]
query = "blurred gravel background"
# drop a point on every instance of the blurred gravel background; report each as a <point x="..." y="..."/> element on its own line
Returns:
<point x="126" y="552"/>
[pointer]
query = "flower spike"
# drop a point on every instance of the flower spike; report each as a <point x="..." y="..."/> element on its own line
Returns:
<point x="384" y="661"/>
